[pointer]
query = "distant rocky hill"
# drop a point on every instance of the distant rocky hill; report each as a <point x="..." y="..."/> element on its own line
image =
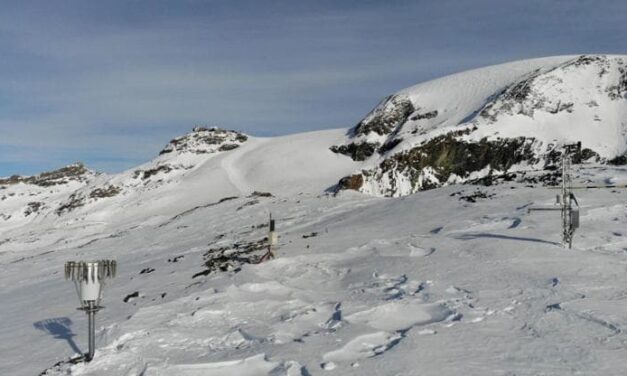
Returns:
<point x="59" y="192"/>
<point x="76" y="172"/>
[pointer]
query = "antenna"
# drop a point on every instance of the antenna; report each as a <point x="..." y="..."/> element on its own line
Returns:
<point x="569" y="214"/>
<point x="89" y="279"/>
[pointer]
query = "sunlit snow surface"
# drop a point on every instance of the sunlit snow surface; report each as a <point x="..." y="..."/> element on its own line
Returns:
<point x="427" y="284"/>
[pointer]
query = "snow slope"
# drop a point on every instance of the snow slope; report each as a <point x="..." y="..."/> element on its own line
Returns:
<point x="428" y="284"/>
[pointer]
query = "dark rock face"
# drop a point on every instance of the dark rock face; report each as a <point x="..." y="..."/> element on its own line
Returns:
<point x="621" y="160"/>
<point x="227" y="147"/>
<point x="619" y="90"/>
<point x="261" y="194"/>
<point x="33" y="208"/>
<point x="431" y="164"/>
<point x="205" y="140"/>
<point x="131" y="296"/>
<point x="231" y="258"/>
<point x="449" y="155"/>
<point x="354" y="182"/>
<point x="357" y="151"/>
<point x="105" y="192"/>
<point x="386" y="117"/>
<point x="426" y="115"/>
<point x="79" y="199"/>
<point x="147" y="174"/>
<point x="444" y="156"/>
<point x="385" y="120"/>
<point x="76" y="200"/>
<point x="389" y="145"/>
<point x="75" y="172"/>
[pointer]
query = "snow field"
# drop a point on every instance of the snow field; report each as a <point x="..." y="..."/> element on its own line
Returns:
<point x="476" y="286"/>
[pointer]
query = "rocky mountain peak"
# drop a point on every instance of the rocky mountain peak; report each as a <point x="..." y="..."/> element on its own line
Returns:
<point x="204" y="140"/>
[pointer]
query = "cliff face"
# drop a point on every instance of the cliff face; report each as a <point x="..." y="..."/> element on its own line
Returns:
<point x="491" y="122"/>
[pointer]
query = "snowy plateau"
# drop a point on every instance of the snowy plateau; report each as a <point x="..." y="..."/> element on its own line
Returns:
<point x="405" y="242"/>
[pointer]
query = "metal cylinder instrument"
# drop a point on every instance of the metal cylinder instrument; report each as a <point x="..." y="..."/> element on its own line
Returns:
<point x="89" y="279"/>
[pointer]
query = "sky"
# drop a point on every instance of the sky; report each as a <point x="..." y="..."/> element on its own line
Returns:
<point x="109" y="83"/>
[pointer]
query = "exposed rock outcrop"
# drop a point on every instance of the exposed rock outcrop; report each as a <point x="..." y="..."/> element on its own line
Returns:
<point x="74" y="172"/>
<point x="205" y="140"/>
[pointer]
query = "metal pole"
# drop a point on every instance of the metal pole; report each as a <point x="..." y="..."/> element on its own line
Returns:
<point x="567" y="227"/>
<point x="91" y="314"/>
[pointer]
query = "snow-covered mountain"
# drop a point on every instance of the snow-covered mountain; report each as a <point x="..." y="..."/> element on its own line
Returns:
<point x="206" y="164"/>
<point x="457" y="279"/>
<point x="491" y="121"/>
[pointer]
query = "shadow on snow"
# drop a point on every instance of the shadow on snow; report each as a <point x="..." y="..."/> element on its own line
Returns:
<point x="504" y="237"/>
<point x="59" y="328"/>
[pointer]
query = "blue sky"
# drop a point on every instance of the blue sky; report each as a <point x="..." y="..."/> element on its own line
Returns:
<point x="110" y="82"/>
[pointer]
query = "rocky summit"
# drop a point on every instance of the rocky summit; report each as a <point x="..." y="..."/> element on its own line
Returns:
<point x="204" y="140"/>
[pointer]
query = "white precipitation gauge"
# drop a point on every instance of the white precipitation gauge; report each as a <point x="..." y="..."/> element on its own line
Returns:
<point x="89" y="279"/>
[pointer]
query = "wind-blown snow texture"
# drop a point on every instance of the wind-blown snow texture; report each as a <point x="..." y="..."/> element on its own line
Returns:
<point x="453" y="280"/>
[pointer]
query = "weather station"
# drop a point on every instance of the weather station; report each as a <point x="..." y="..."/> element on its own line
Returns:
<point x="89" y="279"/>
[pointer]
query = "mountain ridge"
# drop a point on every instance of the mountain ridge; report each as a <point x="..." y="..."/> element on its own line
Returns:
<point x="456" y="129"/>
